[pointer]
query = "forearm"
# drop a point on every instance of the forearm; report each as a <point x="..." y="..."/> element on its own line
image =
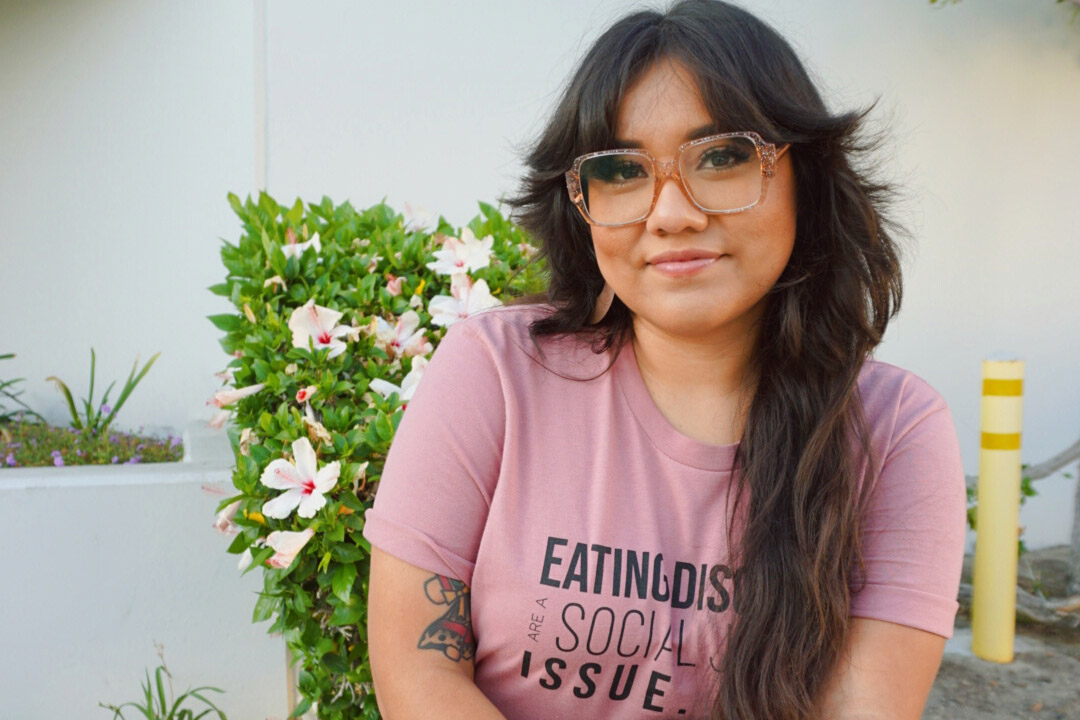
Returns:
<point x="435" y="692"/>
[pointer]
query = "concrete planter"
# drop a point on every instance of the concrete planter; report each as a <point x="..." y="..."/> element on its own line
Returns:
<point x="100" y="561"/>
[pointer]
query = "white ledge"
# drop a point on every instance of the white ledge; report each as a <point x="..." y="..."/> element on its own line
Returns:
<point x="208" y="458"/>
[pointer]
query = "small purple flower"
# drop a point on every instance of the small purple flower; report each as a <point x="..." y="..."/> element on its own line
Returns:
<point x="112" y="438"/>
<point x="55" y="453"/>
<point x="134" y="460"/>
<point x="105" y="409"/>
<point x="72" y="430"/>
<point x="79" y="453"/>
<point x="139" y="447"/>
<point x="115" y="459"/>
<point x="175" y="441"/>
<point x="58" y="461"/>
<point x="15" y="445"/>
<point x="10" y="460"/>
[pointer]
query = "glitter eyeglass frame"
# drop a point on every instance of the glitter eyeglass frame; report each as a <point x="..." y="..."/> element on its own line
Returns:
<point x="768" y="153"/>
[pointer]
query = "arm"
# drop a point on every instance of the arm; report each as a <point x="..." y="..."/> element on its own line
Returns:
<point x="421" y="644"/>
<point x="913" y="535"/>
<point x="885" y="673"/>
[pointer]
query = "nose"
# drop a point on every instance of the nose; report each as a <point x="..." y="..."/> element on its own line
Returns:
<point x="673" y="211"/>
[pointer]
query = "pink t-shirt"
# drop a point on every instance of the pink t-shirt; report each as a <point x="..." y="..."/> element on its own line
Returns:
<point x="591" y="532"/>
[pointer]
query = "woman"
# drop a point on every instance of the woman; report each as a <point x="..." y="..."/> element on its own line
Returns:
<point x="678" y="486"/>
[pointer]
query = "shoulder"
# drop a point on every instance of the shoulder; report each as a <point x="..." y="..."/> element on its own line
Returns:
<point x="908" y="422"/>
<point x="895" y="399"/>
<point x="503" y="328"/>
<point x="503" y="333"/>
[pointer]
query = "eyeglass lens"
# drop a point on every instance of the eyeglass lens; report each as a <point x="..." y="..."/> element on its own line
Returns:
<point x="720" y="175"/>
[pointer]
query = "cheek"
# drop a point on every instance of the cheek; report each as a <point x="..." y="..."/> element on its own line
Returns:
<point x="776" y="226"/>
<point x="614" y="249"/>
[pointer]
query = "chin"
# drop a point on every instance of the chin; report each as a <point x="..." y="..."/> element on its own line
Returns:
<point x="684" y="323"/>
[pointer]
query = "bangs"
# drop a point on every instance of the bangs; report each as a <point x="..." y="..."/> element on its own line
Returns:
<point x="725" y="92"/>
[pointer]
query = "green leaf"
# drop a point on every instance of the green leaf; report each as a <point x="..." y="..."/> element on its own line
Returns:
<point x="226" y="323"/>
<point x="267" y="246"/>
<point x="301" y="708"/>
<point x="228" y="501"/>
<point x="265" y="607"/>
<point x="234" y="202"/>
<point x="347" y="613"/>
<point x="296" y="213"/>
<point x="224" y="289"/>
<point x="261" y="368"/>
<point x="336" y="533"/>
<point x="383" y="426"/>
<point x="260" y="454"/>
<point x="258" y="557"/>
<point x="351" y="501"/>
<point x="335" y="663"/>
<point x="249" y="467"/>
<point x="239" y="544"/>
<point x="309" y="262"/>
<point x="342" y="581"/>
<point x="278" y="261"/>
<point x="344" y="553"/>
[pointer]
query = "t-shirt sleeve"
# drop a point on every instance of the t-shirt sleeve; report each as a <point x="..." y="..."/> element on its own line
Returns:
<point x="432" y="501"/>
<point x="915" y="526"/>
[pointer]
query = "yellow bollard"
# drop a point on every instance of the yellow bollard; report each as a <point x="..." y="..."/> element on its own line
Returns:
<point x="997" y="519"/>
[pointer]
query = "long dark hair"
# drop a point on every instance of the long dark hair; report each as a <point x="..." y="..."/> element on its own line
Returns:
<point x="805" y="440"/>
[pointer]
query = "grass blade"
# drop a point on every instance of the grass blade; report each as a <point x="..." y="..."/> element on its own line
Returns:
<point x="93" y="361"/>
<point x="71" y="402"/>
<point x="161" y="689"/>
<point x="130" y="385"/>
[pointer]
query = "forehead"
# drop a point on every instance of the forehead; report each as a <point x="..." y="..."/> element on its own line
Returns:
<point x="663" y="107"/>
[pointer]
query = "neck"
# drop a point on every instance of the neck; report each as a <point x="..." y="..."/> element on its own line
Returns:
<point x="700" y="371"/>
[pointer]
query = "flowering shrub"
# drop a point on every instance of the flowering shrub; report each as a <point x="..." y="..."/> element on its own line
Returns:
<point x="337" y="313"/>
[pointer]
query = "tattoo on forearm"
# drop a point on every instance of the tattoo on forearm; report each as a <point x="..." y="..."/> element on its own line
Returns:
<point x="452" y="633"/>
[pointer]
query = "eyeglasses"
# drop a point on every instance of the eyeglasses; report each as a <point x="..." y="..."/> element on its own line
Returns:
<point x="725" y="173"/>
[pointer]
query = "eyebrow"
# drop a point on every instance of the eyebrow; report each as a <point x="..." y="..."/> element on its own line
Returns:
<point x="695" y="134"/>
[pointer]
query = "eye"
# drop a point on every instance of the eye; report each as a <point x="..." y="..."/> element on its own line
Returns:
<point x="628" y="170"/>
<point x="614" y="169"/>
<point x="722" y="158"/>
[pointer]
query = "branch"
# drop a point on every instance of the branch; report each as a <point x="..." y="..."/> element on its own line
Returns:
<point x="1044" y="469"/>
<point x="1064" y="613"/>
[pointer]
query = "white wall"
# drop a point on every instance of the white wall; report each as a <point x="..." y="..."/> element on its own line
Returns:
<point x="126" y="123"/>
<point x="123" y="125"/>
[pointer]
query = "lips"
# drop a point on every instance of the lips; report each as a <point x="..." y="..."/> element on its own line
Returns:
<point x="683" y="256"/>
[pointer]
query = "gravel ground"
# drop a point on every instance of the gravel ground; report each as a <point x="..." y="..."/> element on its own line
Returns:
<point x="1042" y="682"/>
